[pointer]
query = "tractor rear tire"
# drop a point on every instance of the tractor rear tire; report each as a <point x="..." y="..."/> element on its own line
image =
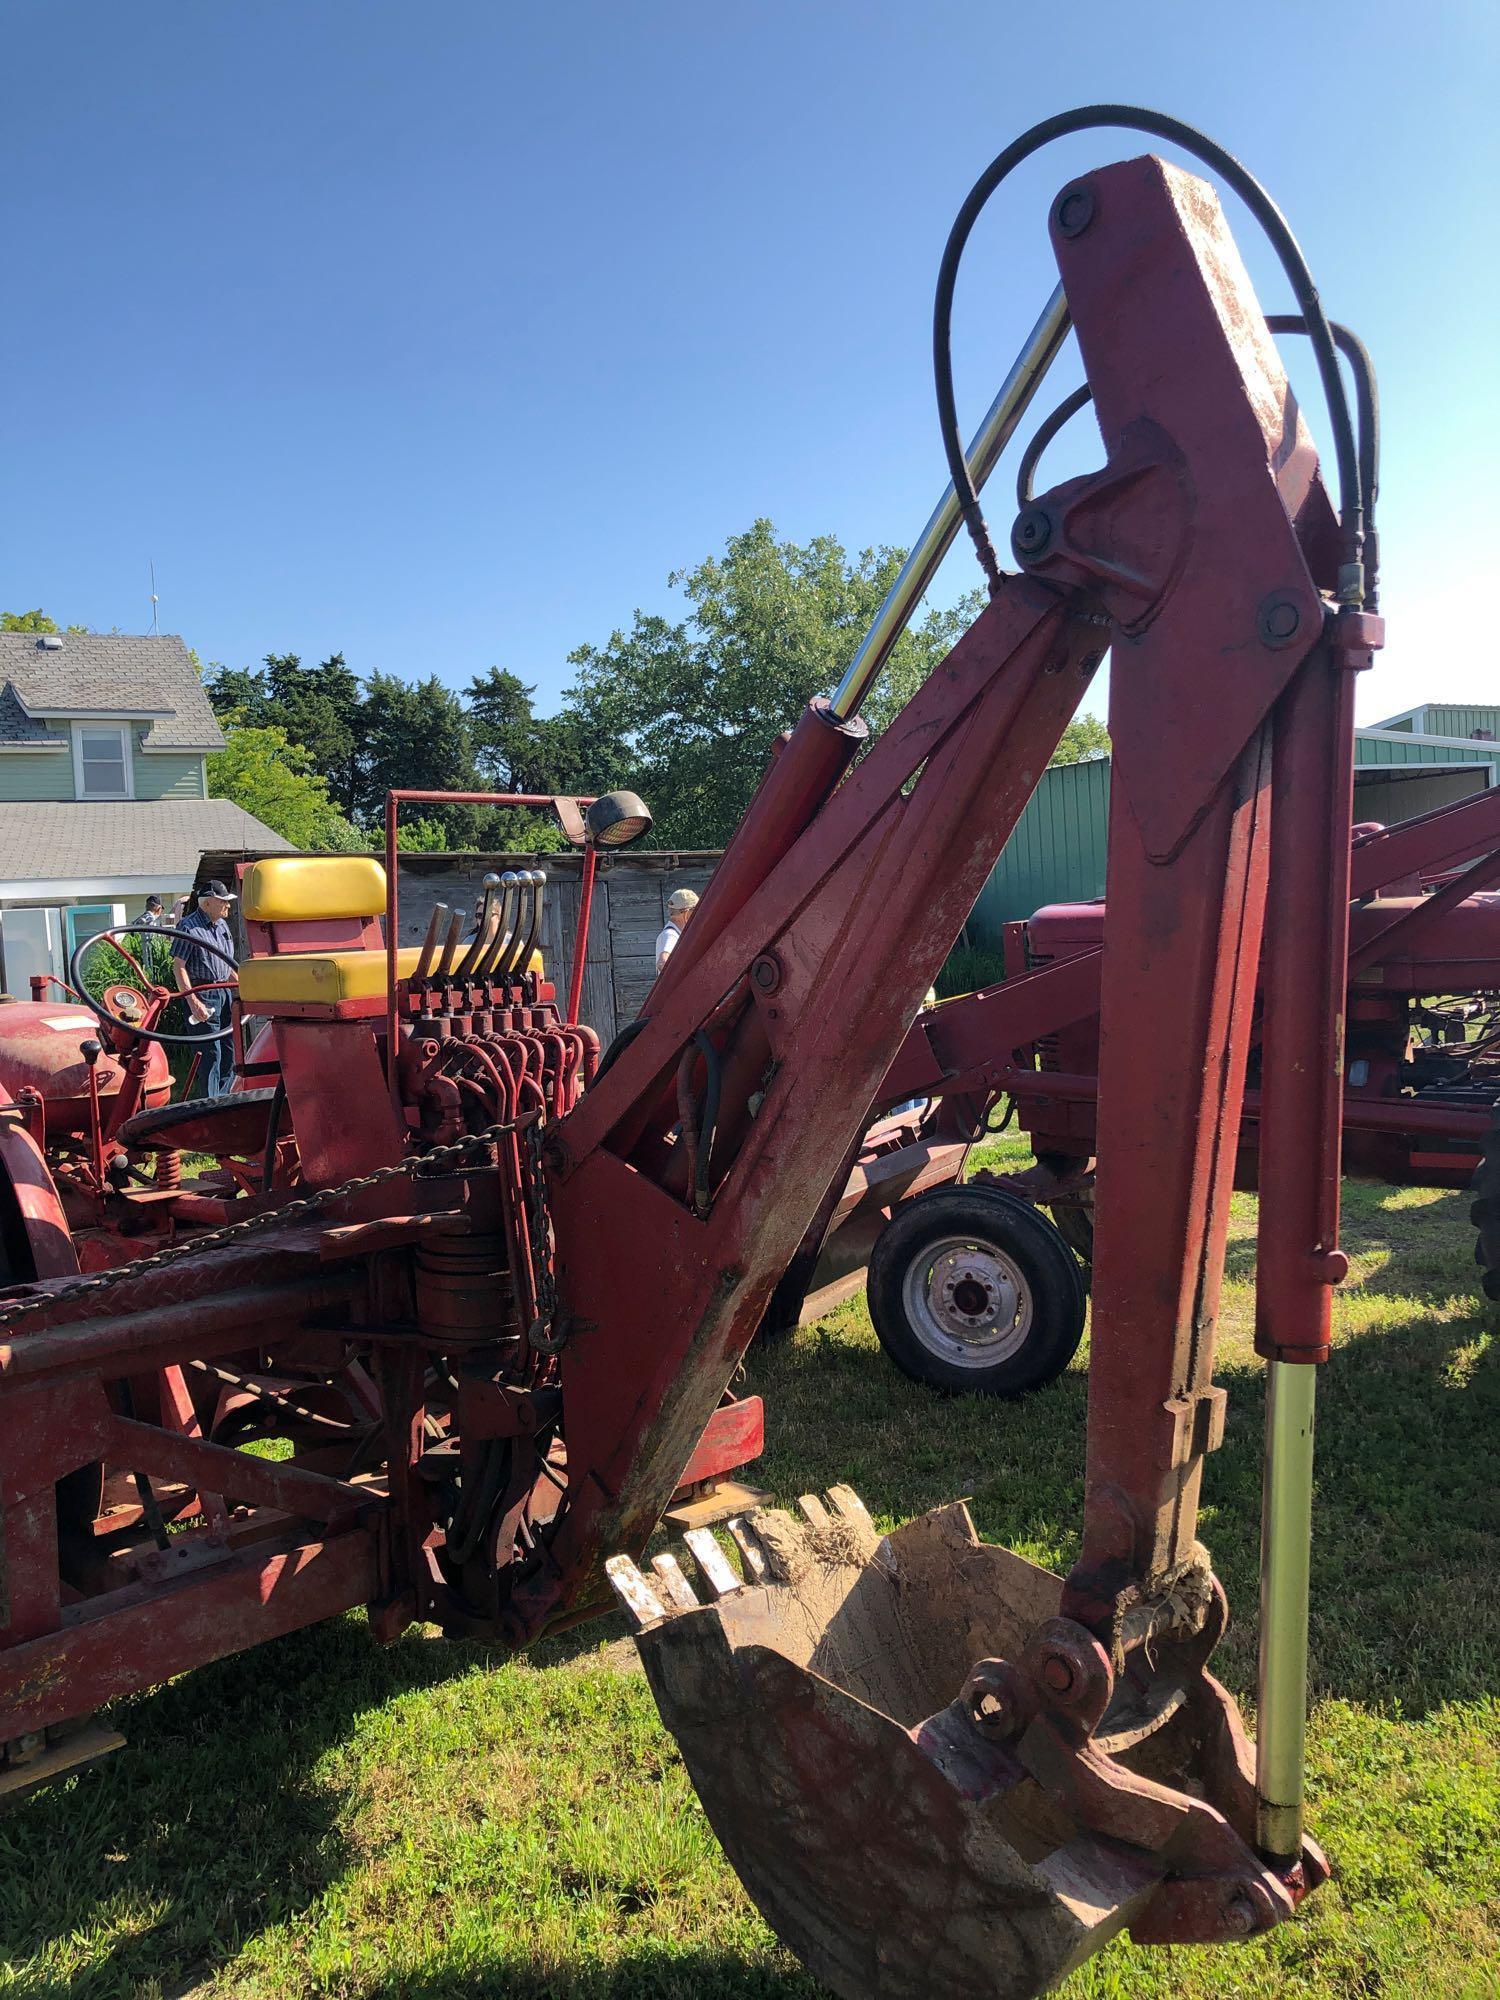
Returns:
<point x="1485" y="1212"/>
<point x="974" y="1292"/>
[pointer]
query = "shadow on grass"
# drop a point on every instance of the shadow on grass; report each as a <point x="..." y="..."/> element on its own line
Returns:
<point x="1406" y="1526"/>
<point x="648" y="1972"/>
<point x="217" y="1823"/>
<point x="211" y="1824"/>
<point x="1398" y="1245"/>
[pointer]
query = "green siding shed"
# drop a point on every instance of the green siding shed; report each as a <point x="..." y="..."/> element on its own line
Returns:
<point x="1057" y="852"/>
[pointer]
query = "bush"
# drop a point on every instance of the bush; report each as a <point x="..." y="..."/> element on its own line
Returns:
<point x="969" y="967"/>
<point x="105" y="966"/>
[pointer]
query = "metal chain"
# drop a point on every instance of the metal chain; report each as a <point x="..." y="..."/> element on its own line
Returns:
<point x="543" y="1334"/>
<point x="255" y="1225"/>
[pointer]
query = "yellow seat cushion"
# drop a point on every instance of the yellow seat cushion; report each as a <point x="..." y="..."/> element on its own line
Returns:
<point x="303" y="889"/>
<point x="321" y="976"/>
<point x="327" y="976"/>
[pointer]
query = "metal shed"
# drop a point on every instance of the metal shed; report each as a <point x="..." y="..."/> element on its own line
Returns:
<point x="1057" y="851"/>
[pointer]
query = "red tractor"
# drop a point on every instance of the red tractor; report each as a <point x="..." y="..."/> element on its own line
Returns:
<point x="972" y="1288"/>
<point x="494" y="1289"/>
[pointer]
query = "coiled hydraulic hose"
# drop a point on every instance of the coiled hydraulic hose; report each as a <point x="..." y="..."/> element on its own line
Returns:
<point x="1367" y="404"/>
<point x="1091" y="117"/>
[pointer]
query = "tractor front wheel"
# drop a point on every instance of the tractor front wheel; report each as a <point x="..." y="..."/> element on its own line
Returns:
<point x="975" y="1292"/>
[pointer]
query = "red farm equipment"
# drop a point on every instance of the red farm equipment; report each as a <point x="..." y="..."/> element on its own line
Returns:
<point x="972" y="1288"/>
<point x="495" y="1290"/>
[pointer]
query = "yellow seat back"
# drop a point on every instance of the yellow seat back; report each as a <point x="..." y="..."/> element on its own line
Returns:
<point x="304" y="889"/>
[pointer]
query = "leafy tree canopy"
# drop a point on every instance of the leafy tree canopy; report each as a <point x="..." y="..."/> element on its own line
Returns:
<point x="275" y="779"/>
<point x="1084" y="738"/>
<point x="33" y="621"/>
<point x="698" y="703"/>
<point x="684" y="711"/>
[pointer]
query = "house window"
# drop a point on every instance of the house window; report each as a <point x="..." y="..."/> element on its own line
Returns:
<point x="101" y="760"/>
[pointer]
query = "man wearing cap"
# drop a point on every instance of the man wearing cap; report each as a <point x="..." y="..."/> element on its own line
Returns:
<point x="193" y="966"/>
<point x="680" y="906"/>
<point x="153" y="917"/>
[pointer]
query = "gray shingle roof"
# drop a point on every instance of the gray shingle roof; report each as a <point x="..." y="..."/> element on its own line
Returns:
<point x="160" y="839"/>
<point x="104" y="673"/>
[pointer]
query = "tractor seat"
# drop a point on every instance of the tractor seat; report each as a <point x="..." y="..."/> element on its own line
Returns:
<point x="314" y="930"/>
<point x="292" y="978"/>
<point x="315" y="935"/>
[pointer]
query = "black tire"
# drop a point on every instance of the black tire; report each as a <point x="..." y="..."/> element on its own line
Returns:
<point x="1484" y="1212"/>
<point x="973" y="1291"/>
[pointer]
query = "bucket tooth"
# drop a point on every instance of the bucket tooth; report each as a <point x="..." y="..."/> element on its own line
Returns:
<point x="752" y="1556"/>
<point x="639" y="1602"/>
<point x="827" y="1708"/>
<point x="719" y="1579"/>
<point x="671" y="1585"/>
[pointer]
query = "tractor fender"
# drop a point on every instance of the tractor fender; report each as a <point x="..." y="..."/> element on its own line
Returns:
<point x="35" y="1219"/>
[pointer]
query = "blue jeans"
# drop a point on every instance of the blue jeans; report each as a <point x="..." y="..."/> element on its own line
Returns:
<point x="216" y="1063"/>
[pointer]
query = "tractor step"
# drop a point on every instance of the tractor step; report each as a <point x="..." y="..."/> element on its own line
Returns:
<point x="44" y="1757"/>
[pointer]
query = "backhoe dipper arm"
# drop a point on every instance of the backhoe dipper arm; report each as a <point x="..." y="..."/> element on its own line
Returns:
<point x="1199" y="550"/>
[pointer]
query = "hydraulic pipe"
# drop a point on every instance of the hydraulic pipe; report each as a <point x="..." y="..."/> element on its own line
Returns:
<point x="1285" y="1572"/>
<point x="993" y="435"/>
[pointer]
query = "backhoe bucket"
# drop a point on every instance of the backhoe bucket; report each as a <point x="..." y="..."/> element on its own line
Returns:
<point x="908" y="1816"/>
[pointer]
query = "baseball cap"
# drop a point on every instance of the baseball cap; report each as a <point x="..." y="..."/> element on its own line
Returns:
<point x="214" y="887"/>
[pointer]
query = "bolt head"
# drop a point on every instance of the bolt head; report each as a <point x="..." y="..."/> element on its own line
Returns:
<point x="1240" y="1915"/>
<point x="1278" y="620"/>
<point x="1031" y="533"/>
<point x="1074" y="209"/>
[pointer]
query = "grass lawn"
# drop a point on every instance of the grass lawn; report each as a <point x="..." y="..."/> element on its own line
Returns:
<point x="322" y="1817"/>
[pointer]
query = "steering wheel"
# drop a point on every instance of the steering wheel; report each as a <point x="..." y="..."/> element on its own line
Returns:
<point x="156" y="998"/>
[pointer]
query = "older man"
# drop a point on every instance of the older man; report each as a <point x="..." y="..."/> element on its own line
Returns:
<point x="680" y="906"/>
<point x="192" y="965"/>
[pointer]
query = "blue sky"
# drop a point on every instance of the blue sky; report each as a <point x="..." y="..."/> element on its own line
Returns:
<point x="441" y="334"/>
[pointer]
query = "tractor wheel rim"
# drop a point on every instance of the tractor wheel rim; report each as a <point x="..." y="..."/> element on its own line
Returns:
<point x="967" y="1303"/>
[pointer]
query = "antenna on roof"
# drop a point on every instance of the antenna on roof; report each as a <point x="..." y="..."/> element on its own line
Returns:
<point x="155" y="629"/>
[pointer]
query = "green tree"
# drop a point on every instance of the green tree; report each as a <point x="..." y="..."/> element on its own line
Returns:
<point x="416" y="735"/>
<point x="275" y="779"/>
<point x="696" y="705"/>
<point x="319" y="707"/>
<point x="518" y="750"/>
<point x="1084" y="738"/>
<point x="236" y="693"/>
<point x="33" y="621"/>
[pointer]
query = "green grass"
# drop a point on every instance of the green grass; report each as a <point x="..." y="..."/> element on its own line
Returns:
<point x="325" y="1818"/>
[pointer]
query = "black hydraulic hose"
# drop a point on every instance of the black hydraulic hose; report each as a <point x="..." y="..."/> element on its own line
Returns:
<point x="1367" y="408"/>
<point x="1045" y="432"/>
<point x="1158" y="125"/>
<point x="619" y="1045"/>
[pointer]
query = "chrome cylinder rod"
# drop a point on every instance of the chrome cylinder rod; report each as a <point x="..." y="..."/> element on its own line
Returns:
<point x="935" y="540"/>
<point x="1285" y="1565"/>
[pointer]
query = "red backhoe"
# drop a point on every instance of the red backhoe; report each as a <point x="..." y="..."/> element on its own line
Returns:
<point x="495" y="1288"/>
